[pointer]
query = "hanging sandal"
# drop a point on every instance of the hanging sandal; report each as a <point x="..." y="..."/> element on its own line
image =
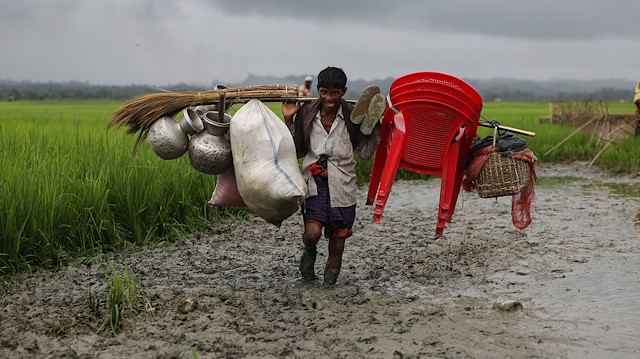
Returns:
<point x="374" y="112"/>
<point x="360" y="109"/>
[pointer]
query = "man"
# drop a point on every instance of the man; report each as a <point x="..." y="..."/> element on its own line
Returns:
<point x="327" y="139"/>
<point x="636" y="100"/>
<point x="304" y="90"/>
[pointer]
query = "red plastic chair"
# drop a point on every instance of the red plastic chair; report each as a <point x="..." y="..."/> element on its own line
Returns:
<point x="451" y="100"/>
<point x="432" y="80"/>
<point x="471" y="112"/>
<point x="468" y="98"/>
<point x="431" y="134"/>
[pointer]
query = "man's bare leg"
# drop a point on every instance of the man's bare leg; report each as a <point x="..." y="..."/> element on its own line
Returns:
<point x="334" y="262"/>
<point x="310" y="238"/>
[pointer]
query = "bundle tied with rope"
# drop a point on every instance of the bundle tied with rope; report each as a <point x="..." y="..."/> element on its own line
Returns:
<point x="141" y="112"/>
<point x="502" y="165"/>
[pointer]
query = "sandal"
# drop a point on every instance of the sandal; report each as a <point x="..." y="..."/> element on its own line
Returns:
<point x="374" y="112"/>
<point x="360" y="109"/>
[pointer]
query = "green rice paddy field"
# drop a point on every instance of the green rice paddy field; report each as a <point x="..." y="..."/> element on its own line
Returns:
<point x="71" y="191"/>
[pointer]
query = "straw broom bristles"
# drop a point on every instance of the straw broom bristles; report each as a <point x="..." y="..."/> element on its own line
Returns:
<point x="141" y="112"/>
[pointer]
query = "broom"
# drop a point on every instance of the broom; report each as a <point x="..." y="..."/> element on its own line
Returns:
<point x="141" y="112"/>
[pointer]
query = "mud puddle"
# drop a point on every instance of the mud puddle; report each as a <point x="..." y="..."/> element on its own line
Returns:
<point x="574" y="273"/>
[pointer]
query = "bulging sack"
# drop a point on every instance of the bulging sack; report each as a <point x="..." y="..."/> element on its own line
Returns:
<point x="226" y="191"/>
<point x="264" y="158"/>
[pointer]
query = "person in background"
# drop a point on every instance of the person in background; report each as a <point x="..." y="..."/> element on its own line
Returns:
<point x="636" y="100"/>
<point x="304" y="90"/>
<point x="327" y="139"/>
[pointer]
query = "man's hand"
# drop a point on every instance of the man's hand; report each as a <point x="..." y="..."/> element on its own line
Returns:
<point x="289" y="109"/>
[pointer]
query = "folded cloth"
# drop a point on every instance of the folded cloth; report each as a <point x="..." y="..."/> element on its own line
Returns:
<point x="318" y="170"/>
<point x="507" y="142"/>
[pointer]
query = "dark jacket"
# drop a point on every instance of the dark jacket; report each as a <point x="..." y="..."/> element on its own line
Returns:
<point x="304" y="119"/>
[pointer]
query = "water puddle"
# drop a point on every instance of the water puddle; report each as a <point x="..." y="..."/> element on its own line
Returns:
<point x="594" y="299"/>
<point x="576" y="269"/>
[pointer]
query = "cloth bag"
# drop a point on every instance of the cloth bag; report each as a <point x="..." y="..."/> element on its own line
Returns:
<point x="265" y="163"/>
<point x="226" y="191"/>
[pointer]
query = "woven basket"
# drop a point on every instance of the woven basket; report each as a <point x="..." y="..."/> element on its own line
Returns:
<point x="502" y="175"/>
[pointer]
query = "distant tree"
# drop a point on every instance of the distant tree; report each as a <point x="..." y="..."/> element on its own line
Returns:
<point x="15" y="94"/>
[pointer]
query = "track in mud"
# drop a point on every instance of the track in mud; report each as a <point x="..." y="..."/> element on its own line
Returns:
<point x="401" y="293"/>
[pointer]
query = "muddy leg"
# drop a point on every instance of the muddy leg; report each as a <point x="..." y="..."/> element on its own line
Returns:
<point x="310" y="238"/>
<point x="334" y="262"/>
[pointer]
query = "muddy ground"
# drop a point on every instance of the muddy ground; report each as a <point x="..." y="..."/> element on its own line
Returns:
<point x="575" y="273"/>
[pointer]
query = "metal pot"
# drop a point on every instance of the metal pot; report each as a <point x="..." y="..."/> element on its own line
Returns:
<point x="213" y="125"/>
<point x="167" y="139"/>
<point x="202" y="109"/>
<point x="191" y="121"/>
<point x="210" y="154"/>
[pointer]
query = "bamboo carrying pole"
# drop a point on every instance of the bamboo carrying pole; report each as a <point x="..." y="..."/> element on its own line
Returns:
<point x="512" y="129"/>
<point x="141" y="112"/>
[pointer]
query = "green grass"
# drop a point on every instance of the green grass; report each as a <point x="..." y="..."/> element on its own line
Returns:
<point x="623" y="157"/>
<point x="620" y="158"/>
<point x="124" y="299"/>
<point x="70" y="191"/>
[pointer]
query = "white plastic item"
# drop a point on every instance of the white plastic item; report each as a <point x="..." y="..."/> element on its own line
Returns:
<point x="264" y="157"/>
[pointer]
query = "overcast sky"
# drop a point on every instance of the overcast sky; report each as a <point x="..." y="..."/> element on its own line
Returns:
<point x="160" y="42"/>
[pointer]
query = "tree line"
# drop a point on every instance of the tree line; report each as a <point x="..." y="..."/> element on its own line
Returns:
<point x="604" y="94"/>
<point x="490" y="90"/>
<point x="38" y="91"/>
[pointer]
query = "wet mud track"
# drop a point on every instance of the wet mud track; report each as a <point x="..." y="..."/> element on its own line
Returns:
<point x="574" y="276"/>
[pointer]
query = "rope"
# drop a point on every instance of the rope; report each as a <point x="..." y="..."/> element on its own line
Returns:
<point x="476" y="119"/>
<point x="495" y="124"/>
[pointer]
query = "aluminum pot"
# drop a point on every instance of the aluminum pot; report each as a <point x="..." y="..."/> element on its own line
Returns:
<point x="202" y="109"/>
<point x="213" y="125"/>
<point x="210" y="154"/>
<point x="191" y="122"/>
<point x="167" y="139"/>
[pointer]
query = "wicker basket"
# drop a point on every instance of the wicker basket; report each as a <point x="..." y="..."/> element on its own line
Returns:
<point x="502" y="175"/>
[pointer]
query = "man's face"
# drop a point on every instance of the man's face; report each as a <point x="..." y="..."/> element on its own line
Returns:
<point x="331" y="96"/>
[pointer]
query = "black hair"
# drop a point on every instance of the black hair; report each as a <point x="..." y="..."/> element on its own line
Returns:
<point x="332" y="77"/>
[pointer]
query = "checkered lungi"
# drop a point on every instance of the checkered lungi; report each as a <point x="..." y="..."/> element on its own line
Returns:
<point x="318" y="208"/>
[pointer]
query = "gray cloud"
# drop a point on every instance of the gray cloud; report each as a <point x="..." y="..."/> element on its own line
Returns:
<point x="198" y="41"/>
<point x="542" y="19"/>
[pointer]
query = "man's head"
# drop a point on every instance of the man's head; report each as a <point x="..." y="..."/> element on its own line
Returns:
<point x="332" y="85"/>
<point x="308" y="80"/>
<point x="332" y="77"/>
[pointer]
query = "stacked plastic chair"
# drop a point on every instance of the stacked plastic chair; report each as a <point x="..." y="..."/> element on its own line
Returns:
<point x="428" y="127"/>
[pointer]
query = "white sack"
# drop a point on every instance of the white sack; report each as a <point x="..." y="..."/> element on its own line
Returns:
<point x="264" y="158"/>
